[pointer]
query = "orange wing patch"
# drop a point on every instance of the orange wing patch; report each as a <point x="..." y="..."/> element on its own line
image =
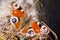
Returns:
<point x="17" y="25"/>
<point x="35" y="27"/>
<point x="18" y="13"/>
<point x="25" y="30"/>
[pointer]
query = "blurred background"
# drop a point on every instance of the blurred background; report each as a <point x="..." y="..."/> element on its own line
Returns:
<point x="50" y="14"/>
